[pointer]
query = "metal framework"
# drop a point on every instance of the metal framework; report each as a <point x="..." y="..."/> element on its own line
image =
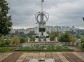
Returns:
<point x="41" y="18"/>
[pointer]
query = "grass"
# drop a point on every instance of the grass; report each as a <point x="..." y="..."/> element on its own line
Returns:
<point x="44" y="48"/>
<point x="7" y="49"/>
<point x="36" y="48"/>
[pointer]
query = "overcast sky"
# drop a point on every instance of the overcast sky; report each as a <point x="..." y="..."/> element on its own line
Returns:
<point x="61" y="12"/>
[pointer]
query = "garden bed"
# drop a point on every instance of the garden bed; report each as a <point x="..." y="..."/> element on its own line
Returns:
<point x="44" y="48"/>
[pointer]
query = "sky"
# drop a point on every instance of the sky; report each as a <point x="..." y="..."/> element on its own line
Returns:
<point x="61" y="12"/>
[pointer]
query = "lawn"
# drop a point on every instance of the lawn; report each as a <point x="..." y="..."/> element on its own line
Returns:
<point x="44" y="48"/>
<point x="36" y="48"/>
<point x="7" y="49"/>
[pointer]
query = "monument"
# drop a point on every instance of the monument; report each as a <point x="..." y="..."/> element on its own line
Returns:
<point x="41" y="18"/>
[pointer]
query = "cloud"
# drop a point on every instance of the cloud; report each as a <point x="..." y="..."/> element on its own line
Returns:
<point x="62" y="12"/>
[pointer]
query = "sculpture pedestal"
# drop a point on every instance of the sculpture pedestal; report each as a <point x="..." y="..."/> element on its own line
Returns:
<point x="36" y="40"/>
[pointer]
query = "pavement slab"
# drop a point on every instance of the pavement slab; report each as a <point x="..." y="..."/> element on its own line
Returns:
<point x="45" y="56"/>
<point x="12" y="58"/>
<point x="63" y="59"/>
<point x="4" y="55"/>
<point x="79" y="55"/>
<point x="22" y="57"/>
<point x="56" y="57"/>
<point x="72" y="58"/>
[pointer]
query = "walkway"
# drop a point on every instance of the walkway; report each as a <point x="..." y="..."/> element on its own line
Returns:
<point x="58" y="56"/>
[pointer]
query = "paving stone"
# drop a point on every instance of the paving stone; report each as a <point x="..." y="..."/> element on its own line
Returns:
<point x="12" y="58"/>
<point x="49" y="60"/>
<point x="56" y="57"/>
<point x="33" y="60"/>
<point x="41" y="55"/>
<point x="78" y="55"/>
<point x="36" y="55"/>
<point x="63" y="59"/>
<point x="48" y="55"/>
<point x="4" y="55"/>
<point x="71" y="57"/>
<point x="22" y="57"/>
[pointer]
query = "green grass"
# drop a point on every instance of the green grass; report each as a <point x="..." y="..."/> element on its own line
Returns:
<point x="36" y="48"/>
<point x="44" y="48"/>
<point x="7" y="49"/>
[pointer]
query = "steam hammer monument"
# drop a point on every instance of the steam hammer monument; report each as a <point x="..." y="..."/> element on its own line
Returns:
<point x="41" y="18"/>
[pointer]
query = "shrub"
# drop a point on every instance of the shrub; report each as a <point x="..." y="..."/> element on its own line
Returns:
<point x="15" y="40"/>
<point x="67" y="37"/>
<point x="22" y="40"/>
<point x="4" y="42"/>
<point x="82" y="42"/>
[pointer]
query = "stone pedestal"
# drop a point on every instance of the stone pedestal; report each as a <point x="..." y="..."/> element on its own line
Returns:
<point x="28" y="39"/>
<point x="36" y="39"/>
<point x="47" y="39"/>
<point x="56" y="39"/>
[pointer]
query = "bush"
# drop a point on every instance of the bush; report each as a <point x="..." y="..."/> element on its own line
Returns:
<point x="53" y="35"/>
<point x="82" y="42"/>
<point x="67" y="37"/>
<point x="15" y="40"/>
<point x="4" y="42"/>
<point x="22" y="40"/>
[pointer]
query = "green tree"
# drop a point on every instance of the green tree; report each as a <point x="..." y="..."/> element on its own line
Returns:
<point x="82" y="42"/>
<point x="15" y="40"/>
<point x="4" y="42"/>
<point x="5" y="20"/>
<point x="53" y="35"/>
<point x="22" y="40"/>
<point x="67" y="37"/>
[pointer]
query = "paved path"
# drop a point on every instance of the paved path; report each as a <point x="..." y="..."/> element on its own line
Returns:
<point x="58" y="56"/>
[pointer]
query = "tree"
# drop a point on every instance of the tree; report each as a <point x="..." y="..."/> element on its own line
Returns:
<point x="22" y="40"/>
<point x="15" y="40"/>
<point x="5" y="20"/>
<point x="82" y="42"/>
<point x="53" y="35"/>
<point x="67" y="37"/>
<point x="4" y="42"/>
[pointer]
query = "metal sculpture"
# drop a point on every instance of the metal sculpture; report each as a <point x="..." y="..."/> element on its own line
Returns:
<point x="41" y="18"/>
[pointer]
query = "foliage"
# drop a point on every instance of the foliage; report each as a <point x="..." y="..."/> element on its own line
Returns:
<point x="7" y="49"/>
<point x="4" y="42"/>
<point x="43" y="48"/>
<point x="5" y="23"/>
<point x="1" y="41"/>
<point x="53" y="35"/>
<point x="22" y="40"/>
<point x="15" y="40"/>
<point x="82" y="42"/>
<point x="67" y="37"/>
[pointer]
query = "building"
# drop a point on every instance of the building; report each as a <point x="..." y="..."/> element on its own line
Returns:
<point x="57" y="29"/>
<point x="48" y="29"/>
<point x="26" y="31"/>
